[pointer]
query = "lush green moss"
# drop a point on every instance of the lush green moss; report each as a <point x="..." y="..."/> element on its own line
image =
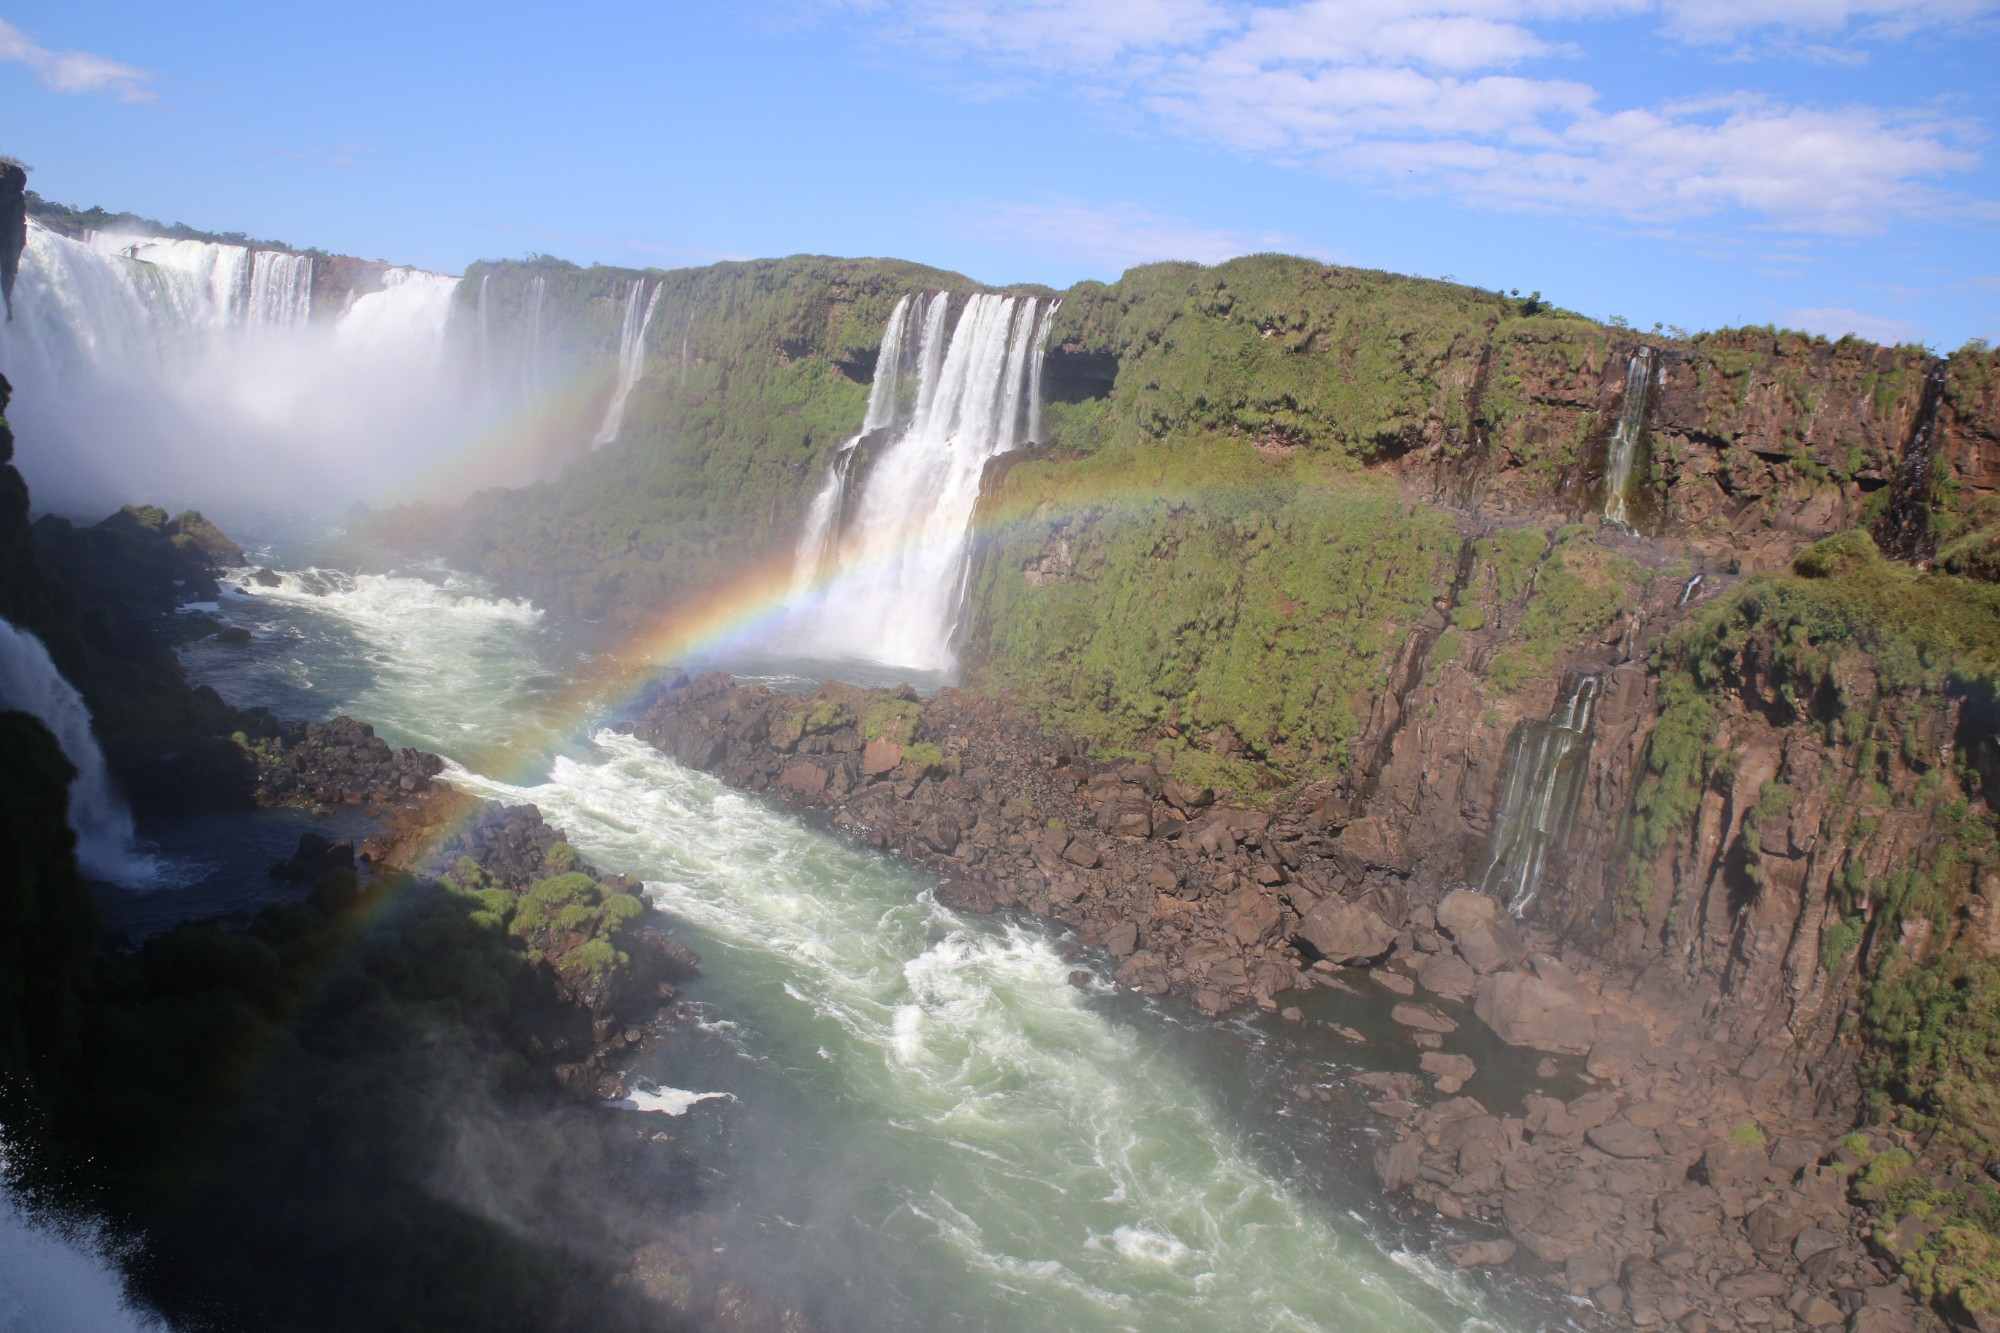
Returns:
<point x="1251" y="606"/>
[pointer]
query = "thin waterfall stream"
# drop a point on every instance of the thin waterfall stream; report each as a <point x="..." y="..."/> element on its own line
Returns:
<point x="1541" y="777"/>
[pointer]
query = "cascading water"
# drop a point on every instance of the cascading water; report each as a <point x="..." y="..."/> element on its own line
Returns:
<point x="823" y="516"/>
<point x="1623" y="451"/>
<point x="899" y="547"/>
<point x="30" y="683"/>
<point x="172" y="371"/>
<point x="631" y="356"/>
<point x="531" y="352"/>
<point x="1904" y="531"/>
<point x="1540" y="779"/>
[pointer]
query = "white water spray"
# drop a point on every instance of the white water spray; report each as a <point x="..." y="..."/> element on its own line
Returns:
<point x="824" y="514"/>
<point x="30" y="683"/>
<point x="631" y="357"/>
<point x="899" y="548"/>
<point x="180" y="372"/>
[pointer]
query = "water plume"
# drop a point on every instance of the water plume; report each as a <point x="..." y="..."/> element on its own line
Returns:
<point x="895" y="551"/>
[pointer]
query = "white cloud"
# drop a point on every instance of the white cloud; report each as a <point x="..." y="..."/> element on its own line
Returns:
<point x="1110" y="240"/>
<point x="1725" y="20"/>
<point x="1834" y="321"/>
<point x="1432" y="95"/>
<point x="74" y="71"/>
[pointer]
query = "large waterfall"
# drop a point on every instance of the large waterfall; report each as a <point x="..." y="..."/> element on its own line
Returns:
<point x="631" y="355"/>
<point x="893" y="555"/>
<point x="174" y="371"/>
<point x="1540" y="779"/>
<point x="1623" y="450"/>
<point x="30" y="683"/>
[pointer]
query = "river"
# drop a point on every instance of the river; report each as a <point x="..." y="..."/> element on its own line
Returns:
<point x="925" y="1124"/>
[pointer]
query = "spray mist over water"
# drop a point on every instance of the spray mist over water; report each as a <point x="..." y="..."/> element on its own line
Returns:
<point x="933" y="1127"/>
<point x="188" y="372"/>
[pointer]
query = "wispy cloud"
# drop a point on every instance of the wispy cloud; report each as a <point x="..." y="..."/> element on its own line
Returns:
<point x="1834" y="321"/>
<point x="75" y="71"/>
<point x="1429" y="95"/>
<point x="1109" y="240"/>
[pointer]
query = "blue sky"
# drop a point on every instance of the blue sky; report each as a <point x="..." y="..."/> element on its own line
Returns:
<point x="1820" y="164"/>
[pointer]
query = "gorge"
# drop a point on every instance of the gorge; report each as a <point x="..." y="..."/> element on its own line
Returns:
<point x="1378" y="734"/>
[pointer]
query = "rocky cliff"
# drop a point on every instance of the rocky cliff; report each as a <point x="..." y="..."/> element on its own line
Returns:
<point x="1682" y="648"/>
<point x="13" y="227"/>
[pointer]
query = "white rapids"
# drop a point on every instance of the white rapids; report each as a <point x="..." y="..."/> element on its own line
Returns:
<point x="938" y="1129"/>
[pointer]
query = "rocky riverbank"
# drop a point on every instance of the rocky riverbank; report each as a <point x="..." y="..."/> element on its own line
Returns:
<point x="1686" y="1186"/>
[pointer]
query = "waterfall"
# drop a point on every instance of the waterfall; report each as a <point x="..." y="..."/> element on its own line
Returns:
<point x="823" y="515"/>
<point x="1904" y="530"/>
<point x="631" y="357"/>
<point x="1540" y="779"/>
<point x="1035" y="371"/>
<point x="531" y="355"/>
<point x="1692" y="587"/>
<point x="30" y="683"/>
<point x="899" y="546"/>
<point x="1624" y="448"/>
<point x="172" y="371"/>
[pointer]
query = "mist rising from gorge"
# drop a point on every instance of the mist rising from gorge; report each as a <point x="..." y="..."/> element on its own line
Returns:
<point x="185" y="372"/>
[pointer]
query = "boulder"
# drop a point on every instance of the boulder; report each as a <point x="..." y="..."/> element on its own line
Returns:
<point x="1481" y="1253"/>
<point x="1423" y="1018"/>
<point x="1622" y="1138"/>
<point x="1081" y="853"/>
<point x="880" y="757"/>
<point x="1451" y="1071"/>
<point x="1448" y="975"/>
<point x="1527" y="1011"/>
<point x="804" y="779"/>
<point x="1251" y="915"/>
<point x="1187" y="796"/>
<point x="1462" y="908"/>
<point x="1345" y="932"/>
<point x="1121" y="939"/>
<point x="1377" y="843"/>
<point x="939" y="831"/>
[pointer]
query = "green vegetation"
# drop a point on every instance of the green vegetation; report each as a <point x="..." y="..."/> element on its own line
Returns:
<point x="1576" y="593"/>
<point x="1870" y="653"/>
<point x="1251" y="607"/>
<point x="756" y="372"/>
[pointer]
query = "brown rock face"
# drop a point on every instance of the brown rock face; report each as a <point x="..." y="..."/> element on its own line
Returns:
<point x="1345" y="932"/>
<point x="1527" y="1011"/>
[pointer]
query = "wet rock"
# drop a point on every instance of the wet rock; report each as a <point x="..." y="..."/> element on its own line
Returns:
<point x="1481" y="1253"/>
<point x="266" y="577"/>
<point x="1423" y="1018"/>
<point x="1451" y="1072"/>
<point x="1447" y="975"/>
<point x="1345" y="932"/>
<point x="1527" y="1011"/>
<point x="1121" y="939"/>
<point x="1622" y="1138"/>
<point x="803" y="779"/>
<point x="1393" y="981"/>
